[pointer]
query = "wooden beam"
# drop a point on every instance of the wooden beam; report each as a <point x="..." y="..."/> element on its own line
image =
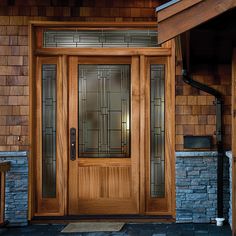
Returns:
<point x="180" y="6"/>
<point x="145" y="24"/>
<point x="187" y="17"/>
<point x="104" y="51"/>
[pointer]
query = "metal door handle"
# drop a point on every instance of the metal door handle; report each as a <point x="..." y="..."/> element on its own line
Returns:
<point x="72" y="144"/>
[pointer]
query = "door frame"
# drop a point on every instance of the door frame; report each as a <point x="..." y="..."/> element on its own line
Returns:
<point x="166" y="50"/>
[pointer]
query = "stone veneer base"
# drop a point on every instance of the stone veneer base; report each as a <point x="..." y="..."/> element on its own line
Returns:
<point x="16" y="200"/>
<point x="196" y="187"/>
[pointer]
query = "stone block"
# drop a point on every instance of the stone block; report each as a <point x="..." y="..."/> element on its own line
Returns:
<point x="181" y="173"/>
<point x="184" y="219"/>
<point x="193" y="173"/>
<point x="197" y="196"/>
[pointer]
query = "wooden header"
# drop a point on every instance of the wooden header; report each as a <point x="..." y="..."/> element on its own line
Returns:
<point x="187" y="14"/>
<point x="148" y="24"/>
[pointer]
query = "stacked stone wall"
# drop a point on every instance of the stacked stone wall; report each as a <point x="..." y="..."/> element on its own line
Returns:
<point x="196" y="188"/>
<point x="16" y="200"/>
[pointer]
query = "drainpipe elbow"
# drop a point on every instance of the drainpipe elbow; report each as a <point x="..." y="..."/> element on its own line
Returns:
<point x="186" y="77"/>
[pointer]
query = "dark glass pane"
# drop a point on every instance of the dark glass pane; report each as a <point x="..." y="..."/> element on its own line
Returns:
<point x="157" y="131"/>
<point x="99" y="38"/>
<point x="49" y="130"/>
<point x="104" y="110"/>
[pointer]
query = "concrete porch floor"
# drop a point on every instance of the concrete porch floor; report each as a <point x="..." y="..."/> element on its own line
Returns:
<point x="131" y="229"/>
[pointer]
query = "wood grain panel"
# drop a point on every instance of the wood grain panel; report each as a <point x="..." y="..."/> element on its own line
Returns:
<point x="96" y="182"/>
<point x="89" y="183"/>
<point x="119" y="179"/>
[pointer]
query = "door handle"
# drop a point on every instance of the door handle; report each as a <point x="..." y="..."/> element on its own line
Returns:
<point x="72" y="144"/>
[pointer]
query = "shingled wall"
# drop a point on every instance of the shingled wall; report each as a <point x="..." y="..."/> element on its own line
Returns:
<point x="195" y="113"/>
<point x="14" y="18"/>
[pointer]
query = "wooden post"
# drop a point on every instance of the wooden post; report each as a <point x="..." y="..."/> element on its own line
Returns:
<point x="4" y="166"/>
<point x="2" y="197"/>
<point x="234" y="143"/>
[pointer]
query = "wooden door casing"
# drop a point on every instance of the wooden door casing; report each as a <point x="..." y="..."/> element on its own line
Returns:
<point x="104" y="185"/>
<point x="123" y="183"/>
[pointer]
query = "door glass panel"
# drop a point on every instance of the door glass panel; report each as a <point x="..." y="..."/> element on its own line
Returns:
<point x="49" y="130"/>
<point x="104" y="110"/>
<point x="157" y="130"/>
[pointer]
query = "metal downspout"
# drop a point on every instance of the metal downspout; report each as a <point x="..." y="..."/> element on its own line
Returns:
<point x="219" y="102"/>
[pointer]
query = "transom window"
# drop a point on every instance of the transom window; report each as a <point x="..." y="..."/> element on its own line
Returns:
<point x="99" y="38"/>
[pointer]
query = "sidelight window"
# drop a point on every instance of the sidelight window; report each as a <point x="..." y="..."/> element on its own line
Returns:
<point x="49" y="102"/>
<point x="157" y="130"/>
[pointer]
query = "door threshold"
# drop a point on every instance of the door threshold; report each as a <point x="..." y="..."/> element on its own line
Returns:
<point x="92" y="218"/>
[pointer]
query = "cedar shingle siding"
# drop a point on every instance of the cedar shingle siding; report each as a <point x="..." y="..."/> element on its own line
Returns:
<point x="14" y="18"/>
<point x="194" y="110"/>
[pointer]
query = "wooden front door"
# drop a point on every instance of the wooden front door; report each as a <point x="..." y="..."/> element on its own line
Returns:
<point x="103" y="135"/>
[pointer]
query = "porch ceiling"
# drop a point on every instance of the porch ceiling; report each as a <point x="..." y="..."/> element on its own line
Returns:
<point x="178" y="16"/>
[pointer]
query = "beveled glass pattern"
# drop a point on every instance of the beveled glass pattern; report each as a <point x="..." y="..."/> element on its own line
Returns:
<point x="49" y="102"/>
<point x="99" y="38"/>
<point x="157" y="130"/>
<point x="104" y="110"/>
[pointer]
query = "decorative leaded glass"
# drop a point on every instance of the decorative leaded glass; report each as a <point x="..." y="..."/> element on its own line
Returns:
<point x="49" y="130"/>
<point x="157" y="130"/>
<point x="99" y="38"/>
<point x="104" y="110"/>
